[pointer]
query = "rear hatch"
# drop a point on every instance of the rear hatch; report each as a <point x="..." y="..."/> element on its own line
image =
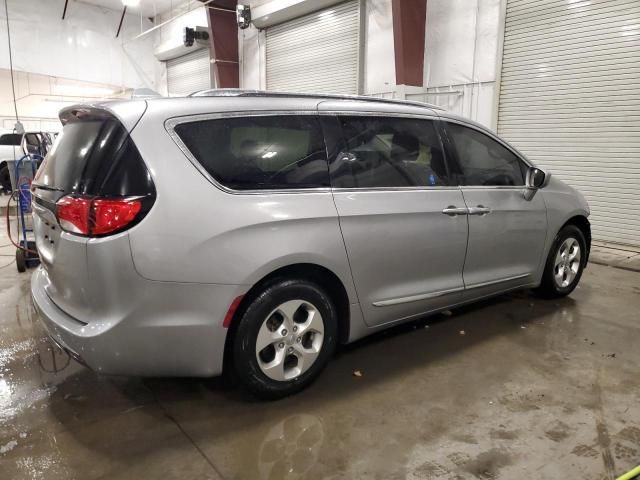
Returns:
<point x="92" y="185"/>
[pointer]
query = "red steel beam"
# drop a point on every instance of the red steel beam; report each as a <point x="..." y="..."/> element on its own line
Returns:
<point x="223" y="37"/>
<point x="409" y="25"/>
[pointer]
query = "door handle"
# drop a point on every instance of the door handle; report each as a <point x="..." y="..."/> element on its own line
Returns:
<point x="452" y="211"/>
<point x="479" y="210"/>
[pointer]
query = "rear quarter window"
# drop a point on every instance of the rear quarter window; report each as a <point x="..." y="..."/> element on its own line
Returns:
<point x="258" y="153"/>
<point x="95" y="157"/>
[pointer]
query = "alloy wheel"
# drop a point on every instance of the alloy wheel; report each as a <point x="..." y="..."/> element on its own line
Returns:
<point x="567" y="262"/>
<point x="289" y="340"/>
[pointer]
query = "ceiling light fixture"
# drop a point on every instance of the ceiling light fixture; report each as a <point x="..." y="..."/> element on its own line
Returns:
<point x="131" y="3"/>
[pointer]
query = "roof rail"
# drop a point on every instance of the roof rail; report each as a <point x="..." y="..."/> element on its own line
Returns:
<point x="237" y="92"/>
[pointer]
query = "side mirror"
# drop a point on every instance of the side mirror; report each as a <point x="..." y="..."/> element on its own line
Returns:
<point x="536" y="178"/>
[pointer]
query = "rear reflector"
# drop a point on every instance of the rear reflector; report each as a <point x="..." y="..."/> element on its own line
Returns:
<point x="232" y="311"/>
<point x="96" y="216"/>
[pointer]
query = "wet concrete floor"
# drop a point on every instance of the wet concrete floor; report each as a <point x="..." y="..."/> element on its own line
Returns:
<point x="511" y="388"/>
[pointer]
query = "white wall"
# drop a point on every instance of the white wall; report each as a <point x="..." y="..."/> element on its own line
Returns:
<point x="83" y="46"/>
<point x="461" y="56"/>
<point x="379" y="57"/>
<point x="251" y="45"/>
<point x="169" y="36"/>
<point x="41" y="97"/>
<point x="79" y="59"/>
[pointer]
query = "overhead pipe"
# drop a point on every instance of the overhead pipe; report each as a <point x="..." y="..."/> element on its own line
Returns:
<point x="124" y="11"/>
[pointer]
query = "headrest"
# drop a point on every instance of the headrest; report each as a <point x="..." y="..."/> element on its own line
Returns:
<point x="404" y="147"/>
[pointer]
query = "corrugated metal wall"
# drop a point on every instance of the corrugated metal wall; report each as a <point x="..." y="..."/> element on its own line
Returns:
<point x="317" y="53"/>
<point x="189" y="73"/>
<point x="570" y="100"/>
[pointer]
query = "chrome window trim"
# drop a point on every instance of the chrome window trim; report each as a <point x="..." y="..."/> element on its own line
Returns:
<point x="426" y="296"/>
<point x="171" y="123"/>
<point x="494" y="187"/>
<point x="373" y="113"/>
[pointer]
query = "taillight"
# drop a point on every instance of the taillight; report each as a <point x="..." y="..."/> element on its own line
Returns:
<point x="73" y="214"/>
<point x="96" y="216"/>
<point x="112" y="215"/>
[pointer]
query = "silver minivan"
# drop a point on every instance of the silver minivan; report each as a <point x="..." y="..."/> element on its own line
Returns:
<point x="254" y="232"/>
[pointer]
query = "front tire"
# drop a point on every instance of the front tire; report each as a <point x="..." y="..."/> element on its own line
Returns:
<point x="284" y="338"/>
<point x="565" y="263"/>
<point x="5" y="179"/>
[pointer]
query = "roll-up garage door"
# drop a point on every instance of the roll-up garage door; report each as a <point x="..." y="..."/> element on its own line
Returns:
<point x="189" y="73"/>
<point x="317" y="53"/>
<point x="570" y="100"/>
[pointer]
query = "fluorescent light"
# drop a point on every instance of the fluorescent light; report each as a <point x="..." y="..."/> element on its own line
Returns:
<point x="131" y="3"/>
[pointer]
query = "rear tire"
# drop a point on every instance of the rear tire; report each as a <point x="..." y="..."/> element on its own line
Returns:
<point x="284" y="338"/>
<point x="21" y="260"/>
<point x="565" y="263"/>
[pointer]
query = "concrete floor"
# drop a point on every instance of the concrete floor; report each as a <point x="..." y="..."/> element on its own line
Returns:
<point x="627" y="258"/>
<point x="512" y="388"/>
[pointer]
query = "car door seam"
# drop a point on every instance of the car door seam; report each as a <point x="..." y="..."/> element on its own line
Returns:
<point x="466" y="250"/>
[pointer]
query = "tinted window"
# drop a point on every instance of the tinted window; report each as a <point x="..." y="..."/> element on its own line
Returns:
<point x="33" y="144"/>
<point x="388" y="152"/>
<point x="95" y="157"/>
<point x="482" y="160"/>
<point x="259" y="152"/>
<point x="11" y="139"/>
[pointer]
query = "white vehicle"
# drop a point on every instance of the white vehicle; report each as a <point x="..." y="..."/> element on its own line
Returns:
<point x="14" y="146"/>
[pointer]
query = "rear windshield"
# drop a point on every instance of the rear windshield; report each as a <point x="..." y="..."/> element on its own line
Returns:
<point x="95" y="157"/>
<point x="264" y="152"/>
<point x="14" y="139"/>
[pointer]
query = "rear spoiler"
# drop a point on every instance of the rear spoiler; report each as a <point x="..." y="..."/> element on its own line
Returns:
<point x="128" y="112"/>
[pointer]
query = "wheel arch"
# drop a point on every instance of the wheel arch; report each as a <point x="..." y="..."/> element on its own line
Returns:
<point x="581" y="222"/>
<point x="322" y="276"/>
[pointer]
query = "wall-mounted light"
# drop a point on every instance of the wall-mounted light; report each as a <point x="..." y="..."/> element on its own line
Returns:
<point x="243" y="15"/>
<point x="191" y="35"/>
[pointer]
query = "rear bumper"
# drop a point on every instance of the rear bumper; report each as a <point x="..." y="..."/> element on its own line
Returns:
<point x="173" y="330"/>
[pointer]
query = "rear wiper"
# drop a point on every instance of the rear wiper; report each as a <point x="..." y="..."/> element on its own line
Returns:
<point x="46" y="187"/>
